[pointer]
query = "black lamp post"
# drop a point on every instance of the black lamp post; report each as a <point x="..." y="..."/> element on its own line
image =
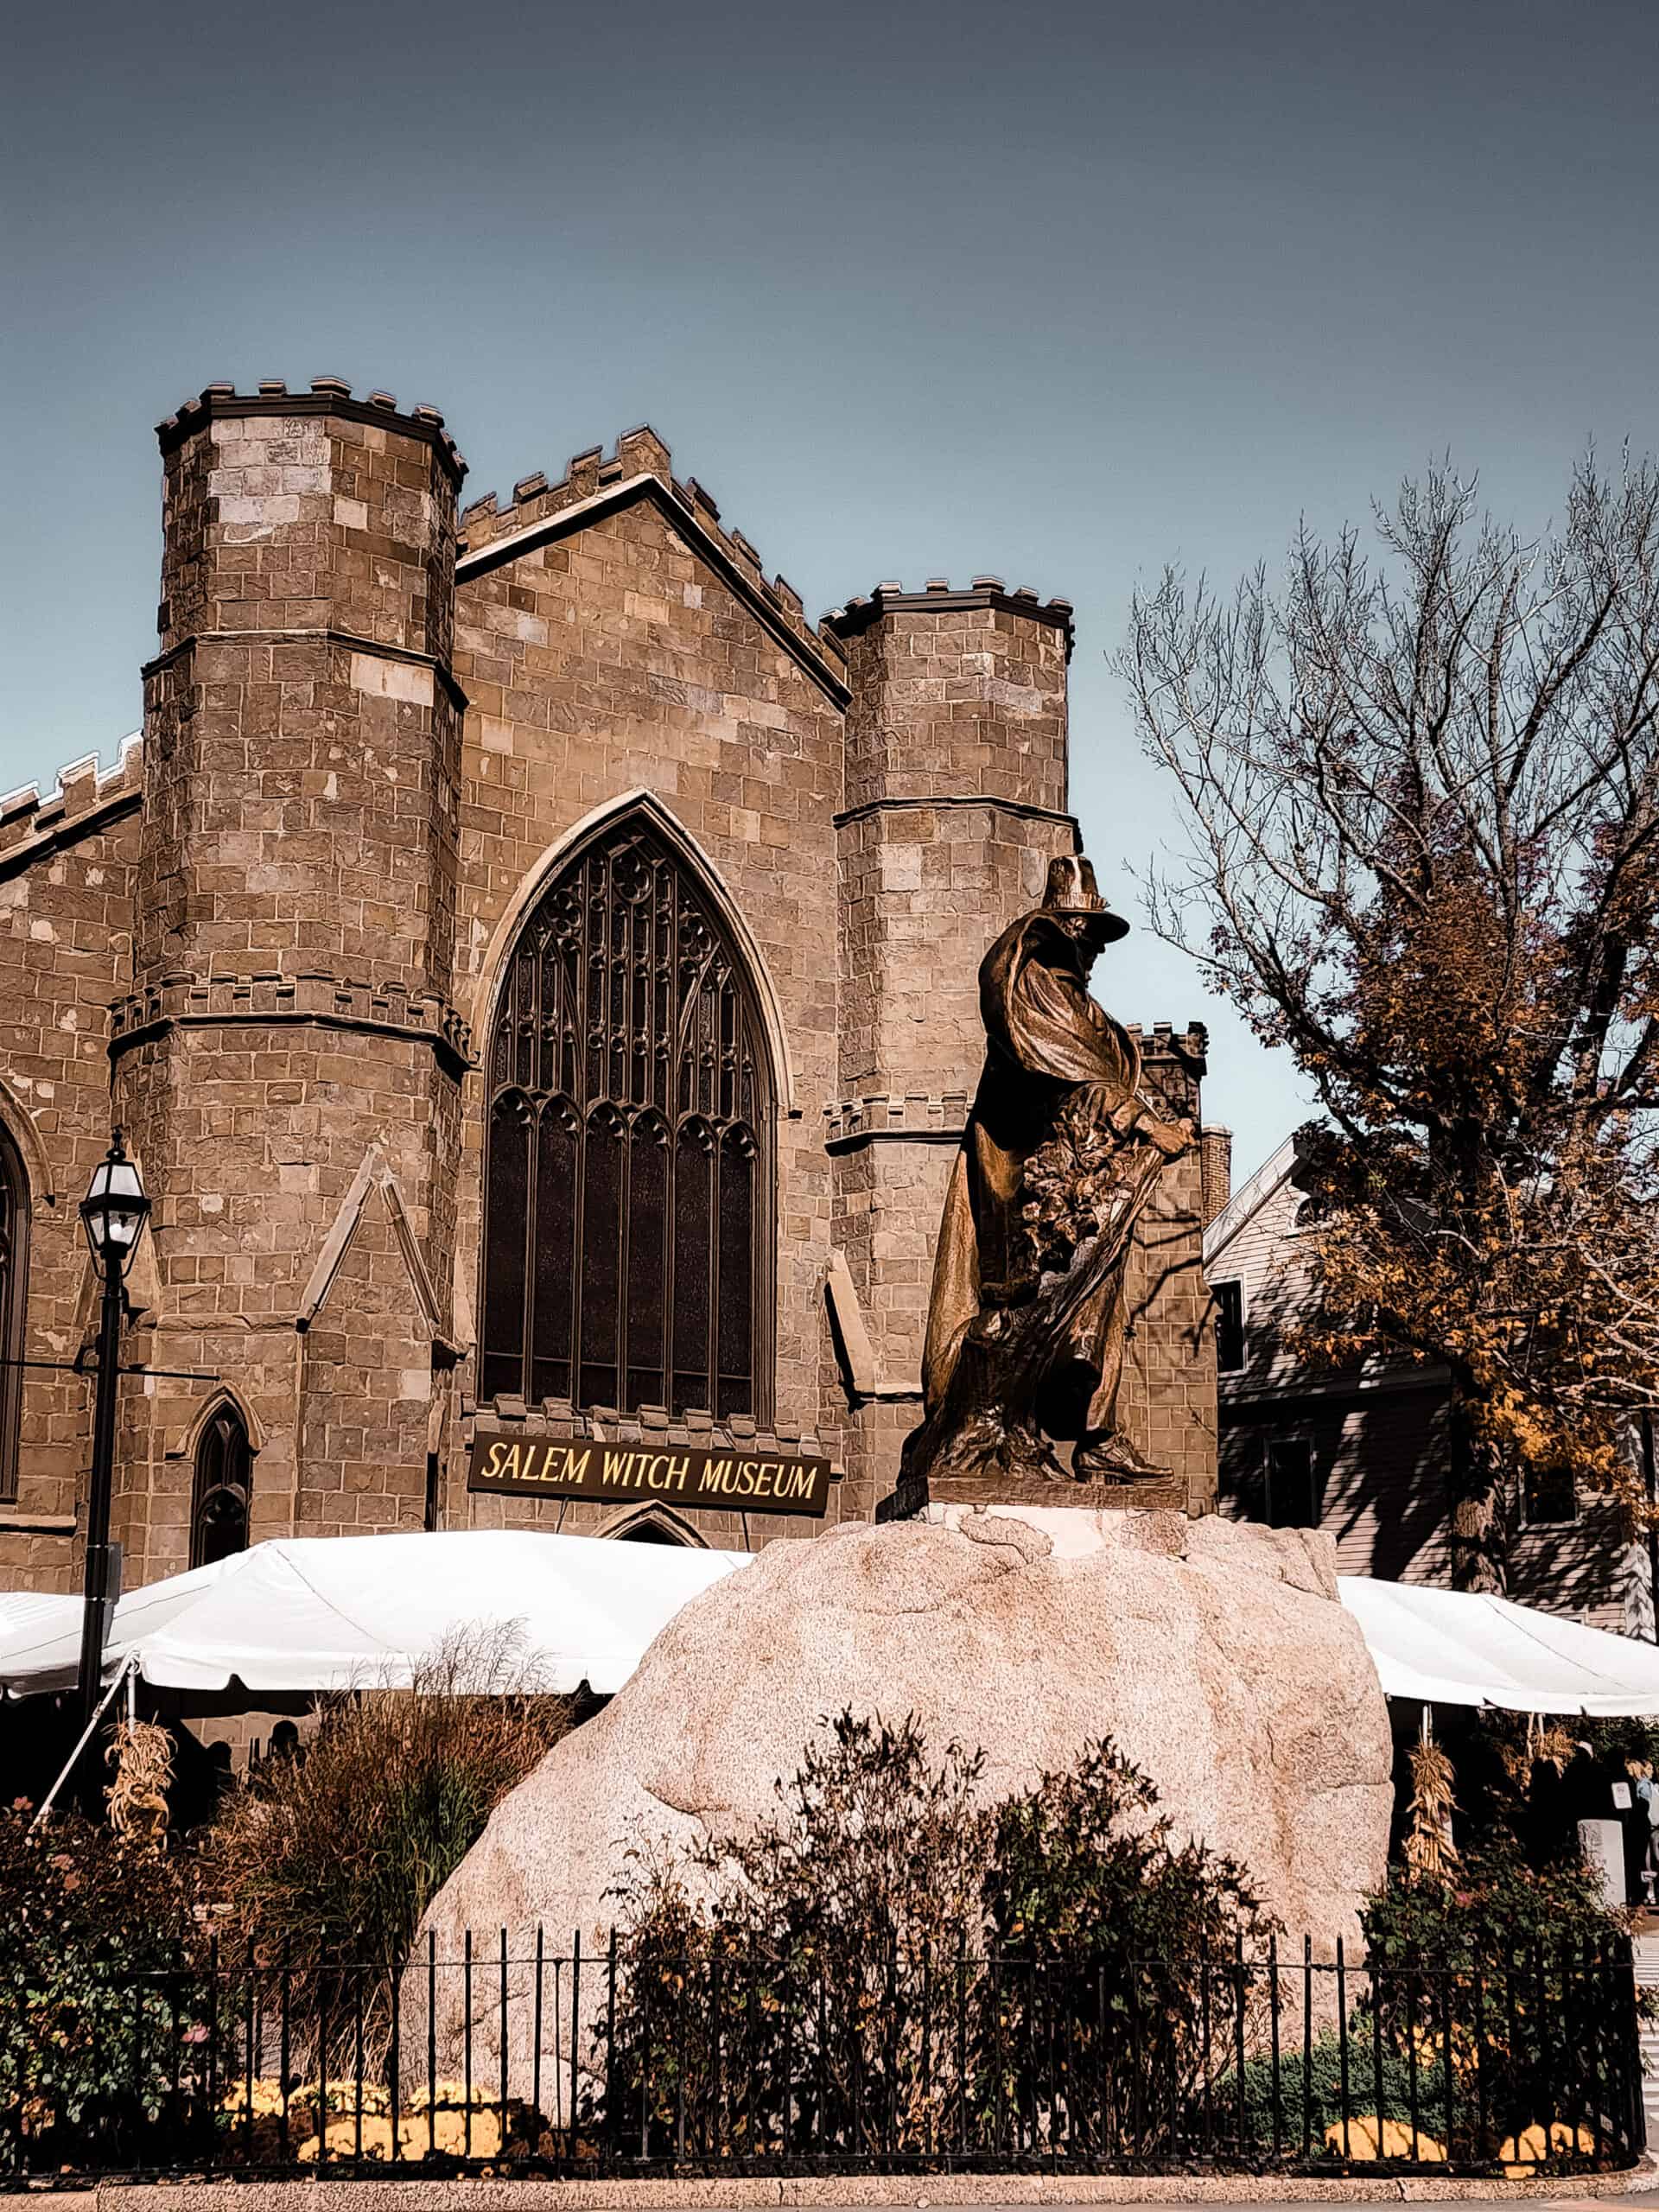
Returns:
<point x="113" y="1213"/>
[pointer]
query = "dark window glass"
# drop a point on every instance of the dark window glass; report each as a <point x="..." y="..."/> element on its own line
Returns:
<point x="218" y="1512"/>
<point x="627" y="1181"/>
<point x="1550" y="1497"/>
<point x="1230" y="1326"/>
<point x="1290" y="1501"/>
<point x="14" y="1297"/>
<point x="506" y="1220"/>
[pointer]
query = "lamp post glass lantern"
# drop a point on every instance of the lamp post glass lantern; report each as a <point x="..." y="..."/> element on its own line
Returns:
<point x="113" y="1213"/>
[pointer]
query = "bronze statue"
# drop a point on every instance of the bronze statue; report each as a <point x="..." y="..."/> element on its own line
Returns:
<point x="1061" y="1153"/>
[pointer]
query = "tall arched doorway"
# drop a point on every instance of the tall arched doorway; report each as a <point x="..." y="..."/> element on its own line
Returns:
<point x="627" y="1240"/>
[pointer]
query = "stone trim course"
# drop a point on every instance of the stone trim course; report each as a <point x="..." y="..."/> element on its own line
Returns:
<point x="1019" y="807"/>
<point x="322" y="1001"/>
<point x="348" y="638"/>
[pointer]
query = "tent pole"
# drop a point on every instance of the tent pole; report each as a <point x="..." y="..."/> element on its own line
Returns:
<point x="126" y="1674"/>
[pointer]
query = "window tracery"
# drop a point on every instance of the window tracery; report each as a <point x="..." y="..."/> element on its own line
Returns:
<point x="627" y="1176"/>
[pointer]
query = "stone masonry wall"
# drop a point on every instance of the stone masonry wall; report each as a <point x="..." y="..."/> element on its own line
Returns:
<point x="613" y="637"/>
<point x="369" y="740"/>
<point x="67" y="863"/>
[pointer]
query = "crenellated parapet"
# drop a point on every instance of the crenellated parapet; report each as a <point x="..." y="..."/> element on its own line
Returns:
<point x="941" y="596"/>
<point x="640" y="466"/>
<point x="84" y="800"/>
<point x="327" y="395"/>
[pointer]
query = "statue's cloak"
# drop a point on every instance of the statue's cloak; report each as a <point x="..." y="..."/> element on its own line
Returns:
<point x="1046" y="1036"/>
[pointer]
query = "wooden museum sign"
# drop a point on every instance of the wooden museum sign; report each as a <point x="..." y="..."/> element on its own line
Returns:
<point x="546" y="1466"/>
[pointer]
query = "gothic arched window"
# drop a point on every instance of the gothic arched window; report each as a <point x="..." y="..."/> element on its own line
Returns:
<point x="223" y="1487"/>
<point x="14" y="1302"/>
<point x="627" y="1185"/>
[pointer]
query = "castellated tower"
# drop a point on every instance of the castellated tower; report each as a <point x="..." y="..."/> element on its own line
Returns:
<point x="955" y="803"/>
<point x="286" y="1066"/>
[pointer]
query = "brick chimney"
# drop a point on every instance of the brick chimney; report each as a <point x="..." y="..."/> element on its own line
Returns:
<point x="1216" y="1169"/>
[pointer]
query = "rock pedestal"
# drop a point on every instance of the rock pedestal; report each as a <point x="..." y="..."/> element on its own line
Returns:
<point x="1216" y="1654"/>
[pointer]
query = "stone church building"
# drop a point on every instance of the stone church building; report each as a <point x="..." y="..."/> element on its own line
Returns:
<point x="534" y="968"/>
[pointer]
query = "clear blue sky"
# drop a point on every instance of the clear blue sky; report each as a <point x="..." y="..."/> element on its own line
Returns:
<point x="1060" y="292"/>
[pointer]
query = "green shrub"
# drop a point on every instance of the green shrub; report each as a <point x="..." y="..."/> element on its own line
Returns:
<point x="1322" y="2067"/>
<point x="1127" y="1939"/>
<point x="92" y="1933"/>
<point x="1512" y="1970"/>
<point x="824" y="1933"/>
<point x="892" y="1963"/>
<point x="1492" y="1905"/>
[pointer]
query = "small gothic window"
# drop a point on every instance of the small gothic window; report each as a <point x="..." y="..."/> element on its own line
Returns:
<point x="14" y="1299"/>
<point x="219" y="1513"/>
<point x="648" y="1532"/>
<point x="628" y="1187"/>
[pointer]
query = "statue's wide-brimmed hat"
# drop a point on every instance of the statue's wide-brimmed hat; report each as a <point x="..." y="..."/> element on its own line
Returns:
<point x="1071" y="890"/>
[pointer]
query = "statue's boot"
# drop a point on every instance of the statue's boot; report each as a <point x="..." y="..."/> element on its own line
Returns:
<point x="1105" y="1455"/>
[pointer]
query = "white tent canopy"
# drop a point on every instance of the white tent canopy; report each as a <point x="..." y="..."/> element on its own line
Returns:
<point x="1456" y="1647"/>
<point x="345" y="1613"/>
<point x="306" y="1613"/>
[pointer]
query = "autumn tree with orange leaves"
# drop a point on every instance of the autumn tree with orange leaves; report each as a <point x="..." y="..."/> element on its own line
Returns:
<point x="1422" y="785"/>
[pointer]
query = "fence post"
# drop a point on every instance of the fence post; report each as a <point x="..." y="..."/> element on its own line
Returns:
<point x="1342" y="2047"/>
<point x="1307" y="2044"/>
<point x="284" y="2050"/>
<point x="610" y="2054"/>
<point x="467" y="2045"/>
<point x="503" y="2145"/>
<point x="394" y="2067"/>
<point x="1278" y="2084"/>
<point x="1242" y="1993"/>
<point x="575" y="2022"/>
<point x="535" y="2028"/>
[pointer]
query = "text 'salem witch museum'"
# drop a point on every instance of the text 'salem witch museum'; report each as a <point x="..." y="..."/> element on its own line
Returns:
<point x="534" y="968"/>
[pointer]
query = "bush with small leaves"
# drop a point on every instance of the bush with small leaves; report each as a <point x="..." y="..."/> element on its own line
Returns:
<point x="97" y="1939"/>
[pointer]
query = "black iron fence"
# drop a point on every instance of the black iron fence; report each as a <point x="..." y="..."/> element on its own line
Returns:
<point x="550" y="2062"/>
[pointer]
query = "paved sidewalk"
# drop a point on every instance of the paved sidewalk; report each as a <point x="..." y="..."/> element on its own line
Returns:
<point x="917" y="2193"/>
